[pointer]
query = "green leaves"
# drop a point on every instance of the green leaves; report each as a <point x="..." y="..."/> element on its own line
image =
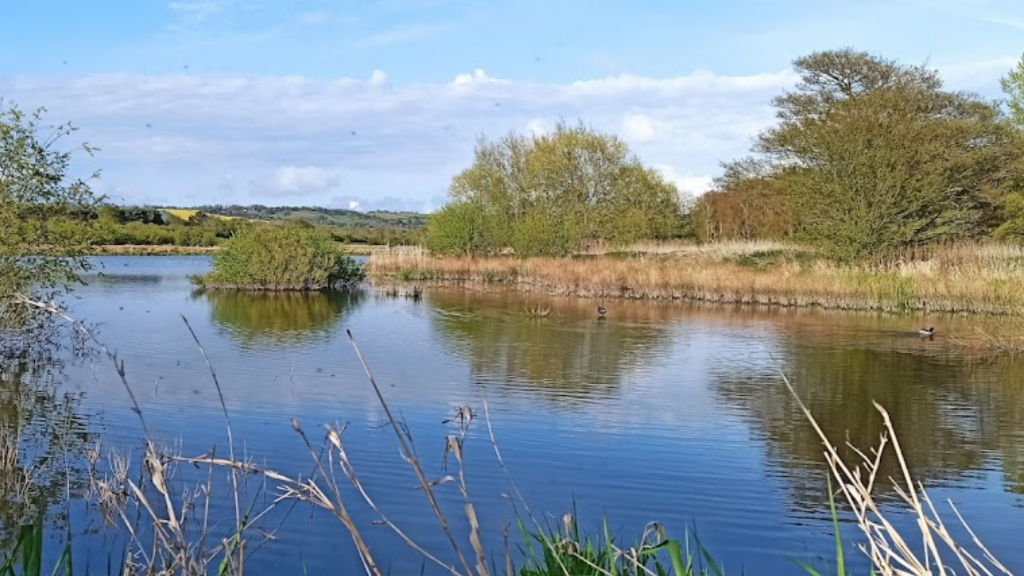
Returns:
<point x="43" y="224"/>
<point x="551" y="194"/>
<point x="869" y="156"/>
<point x="281" y="257"/>
<point x="1013" y="86"/>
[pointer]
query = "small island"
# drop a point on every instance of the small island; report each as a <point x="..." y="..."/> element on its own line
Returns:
<point x="293" y="257"/>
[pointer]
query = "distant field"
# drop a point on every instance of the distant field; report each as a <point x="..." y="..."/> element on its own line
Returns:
<point x="186" y="214"/>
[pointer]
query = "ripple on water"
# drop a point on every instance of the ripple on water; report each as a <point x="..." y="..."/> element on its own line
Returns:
<point x="663" y="412"/>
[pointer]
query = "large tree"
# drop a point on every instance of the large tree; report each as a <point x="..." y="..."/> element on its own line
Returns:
<point x="44" y="228"/>
<point x="871" y="155"/>
<point x="552" y="193"/>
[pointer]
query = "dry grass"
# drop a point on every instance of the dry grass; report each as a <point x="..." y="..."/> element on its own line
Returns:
<point x="170" y="249"/>
<point x="966" y="278"/>
<point x="152" y="250"/>
<point x="924" y="552"/>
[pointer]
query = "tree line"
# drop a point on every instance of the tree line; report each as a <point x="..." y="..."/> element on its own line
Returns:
<point x="867" y="156"/>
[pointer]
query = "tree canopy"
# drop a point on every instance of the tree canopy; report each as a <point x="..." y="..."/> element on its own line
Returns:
<point x="551" y="194"/>
<point x="869" y="155"/>
<point x="43" y="221"/>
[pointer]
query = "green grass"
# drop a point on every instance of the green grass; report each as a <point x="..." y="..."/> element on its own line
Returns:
<point x="558" y="552"/>
<point x="26" y="559"/>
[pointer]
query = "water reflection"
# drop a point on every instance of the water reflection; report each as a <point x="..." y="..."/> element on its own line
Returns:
<point x="943" y="409"/>
<point x="283" y="318"/>
<point x="43" y="443"/>
<point x="556" y="349"/>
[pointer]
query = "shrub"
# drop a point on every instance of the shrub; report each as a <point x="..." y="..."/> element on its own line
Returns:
<point x="456" y="229"/>
<point x="281" y="257"/>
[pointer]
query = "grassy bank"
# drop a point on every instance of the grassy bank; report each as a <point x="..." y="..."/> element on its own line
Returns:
<point x="154" y="250"/>
<point x="970" y="278"/>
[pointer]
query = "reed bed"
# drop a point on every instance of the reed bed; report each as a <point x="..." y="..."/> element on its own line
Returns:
<point x="153" y="249"/>
<point x="962" y="278"/>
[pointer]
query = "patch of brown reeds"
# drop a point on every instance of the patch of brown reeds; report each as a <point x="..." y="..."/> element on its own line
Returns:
<point x="962" y="278"/>
<point x="153" y="250"/>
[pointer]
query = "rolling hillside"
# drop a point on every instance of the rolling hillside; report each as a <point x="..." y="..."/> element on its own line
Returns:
<point x="314" y="215"/>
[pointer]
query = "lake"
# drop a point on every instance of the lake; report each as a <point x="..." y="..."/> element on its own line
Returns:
<point x="667" y="412"/>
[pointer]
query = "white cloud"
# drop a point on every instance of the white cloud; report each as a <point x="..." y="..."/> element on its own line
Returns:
<point x="298" y="181"/>
<point x="642" y="128"/>
<point x="689" y="183"/>
<point x="252" y="139"/>
<point x="538" y="126"/>
<point x="477" y="77"/>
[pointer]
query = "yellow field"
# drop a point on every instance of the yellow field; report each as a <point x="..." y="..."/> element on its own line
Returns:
<point x="186" y="214"/>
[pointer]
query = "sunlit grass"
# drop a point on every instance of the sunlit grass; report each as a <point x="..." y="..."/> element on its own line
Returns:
<point x="976" y="278"/>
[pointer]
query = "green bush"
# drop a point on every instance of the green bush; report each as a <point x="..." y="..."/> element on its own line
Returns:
<point x="281" y="257"/>
<point x="456" y="229"/>
<point x="1014" y="225"/>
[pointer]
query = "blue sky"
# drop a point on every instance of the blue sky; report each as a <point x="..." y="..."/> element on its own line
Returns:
<point x="376" y="104"/>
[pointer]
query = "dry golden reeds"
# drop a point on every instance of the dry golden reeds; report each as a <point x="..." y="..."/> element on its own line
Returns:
<point x="975" y="279"/>
<point x="892" y="552"/>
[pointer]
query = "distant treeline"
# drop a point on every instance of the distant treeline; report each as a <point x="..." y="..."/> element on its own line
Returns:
<point x="318" y="215"/>
<point x="148" y="226"/>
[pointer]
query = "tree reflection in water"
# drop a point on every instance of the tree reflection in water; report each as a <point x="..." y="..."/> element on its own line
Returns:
<point x="565" y="357"/>
<point x="279" y="318"/>
<point x="952" y="415"/>
<point x="43" y="443"/>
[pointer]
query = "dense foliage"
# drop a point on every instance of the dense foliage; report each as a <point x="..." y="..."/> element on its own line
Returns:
<point x="869" y="156"/>
<point x="42" y="232"/>
<point x="281" y="257"/>
<point x="552" y="194"/>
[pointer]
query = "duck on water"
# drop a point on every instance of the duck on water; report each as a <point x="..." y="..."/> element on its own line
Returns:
<point x="928" y="332"/>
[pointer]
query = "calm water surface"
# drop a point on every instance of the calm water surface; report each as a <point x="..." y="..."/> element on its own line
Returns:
<point x="662" y="412"/>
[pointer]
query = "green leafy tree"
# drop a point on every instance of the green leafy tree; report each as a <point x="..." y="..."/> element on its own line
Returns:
<point x="1013" y="86"/>
<point x="44" y="227"/>
<point x="871" y="155"/>
<point x="551" y="194"/>
<point x="281" y="257"/>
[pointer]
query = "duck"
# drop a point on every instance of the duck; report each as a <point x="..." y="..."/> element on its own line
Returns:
<point x="601" y="310"/>
<point x="930" y="331"/>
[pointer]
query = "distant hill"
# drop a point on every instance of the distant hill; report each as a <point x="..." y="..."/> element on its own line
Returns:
<point x="314" y="215"/>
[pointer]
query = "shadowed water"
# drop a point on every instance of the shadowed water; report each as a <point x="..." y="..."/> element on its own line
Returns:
<point x="661" y="412"/>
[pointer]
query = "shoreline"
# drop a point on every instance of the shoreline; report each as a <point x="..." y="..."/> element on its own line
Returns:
<point x="968" y="279"/>
<point x="175" y="250"/>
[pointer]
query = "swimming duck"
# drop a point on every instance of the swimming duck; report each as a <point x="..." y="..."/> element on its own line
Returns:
<point x="601" y="310"/>
<point x="930" y="331"/>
